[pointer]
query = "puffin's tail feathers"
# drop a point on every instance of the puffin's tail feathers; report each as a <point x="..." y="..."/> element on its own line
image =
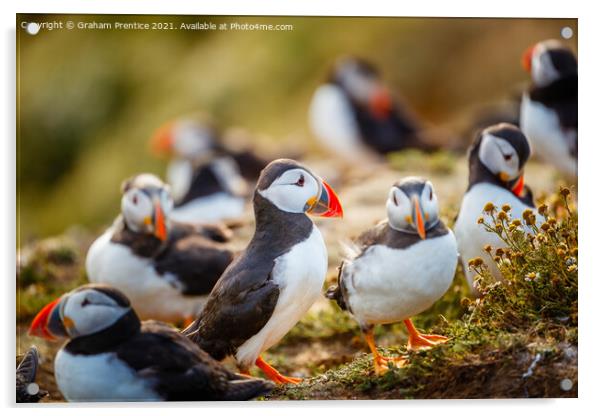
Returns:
<point x="247" y="388"/>
<point x="335" y="292"/>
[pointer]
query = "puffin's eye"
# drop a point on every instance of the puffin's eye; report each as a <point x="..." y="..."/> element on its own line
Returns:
<point x="301" y="181"/>
<point x="431" y="195"/>
<point x="395" y="200"/>
<point x="85" y="302"/>
<point x="135" y="199"/>
<point x="508" y="157"/>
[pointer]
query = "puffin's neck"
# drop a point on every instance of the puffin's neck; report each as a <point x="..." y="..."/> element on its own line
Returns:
<point x="271" y="221"/>
<point x="142" y="244"/>
<point x="126" y="327"/>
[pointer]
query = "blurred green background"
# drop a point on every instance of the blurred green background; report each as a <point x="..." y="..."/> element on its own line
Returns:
<point x="89" y="100"/>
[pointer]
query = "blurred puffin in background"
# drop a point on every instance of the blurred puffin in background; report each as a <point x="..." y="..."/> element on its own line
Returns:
<point x="208" y="181"/>
<point x="355" y="114"/>
<point x="166" y="268"/>
<point x="111" y="356"/>
<point x="496" y="162"/>
<point x="549" y="107"/>
<point x="399" y="268"/>
<point x="277" y="278"/>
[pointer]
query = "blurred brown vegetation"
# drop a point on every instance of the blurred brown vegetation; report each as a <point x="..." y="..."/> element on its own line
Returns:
<point x="90" y="99"/>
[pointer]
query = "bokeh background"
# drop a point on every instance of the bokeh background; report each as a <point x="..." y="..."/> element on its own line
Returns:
<point x="89" y="100"/>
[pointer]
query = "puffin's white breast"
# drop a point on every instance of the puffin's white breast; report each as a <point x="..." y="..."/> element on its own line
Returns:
<point x="333" y="122"/>
<point x="546" y="136"/>
<point x="215" y="207"/>
<point x="153" y="296"/>
<point x="100" y="377"/>
<point x="300" y="275"/>
<point x="387" y="285"/>
<point x="472" y="237"/>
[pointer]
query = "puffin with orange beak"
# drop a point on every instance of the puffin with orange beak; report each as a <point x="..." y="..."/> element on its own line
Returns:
<point x="111" y="355"/>
<point x="356" y="115"/>
<point x="497" y="160"/>
<point x="273" y="283"/>
<point x="399" y="268"/>
<point x="167" y="268"/>
<point x="548" y="114"/>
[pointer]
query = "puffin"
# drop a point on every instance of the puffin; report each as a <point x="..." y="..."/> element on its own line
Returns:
<point x="110" y="355"/>
<point x="399" y="268"/>
<point x="209" y="182"/>
<point x="167" y="268"/>
<point x="268" y="288"/>
<point x="26" y="389"/>
<point x="496" y="162"/>
<point x="355" y="115"/>
<point x="548" y="114"/>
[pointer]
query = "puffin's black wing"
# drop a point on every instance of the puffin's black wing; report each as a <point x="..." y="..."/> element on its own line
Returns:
<point x="26" y="374"/>
<point x="240" y="304"/>
<point x="180" y="371"/>
<point x="196" y="261"/>
<point x="217" y="232"/>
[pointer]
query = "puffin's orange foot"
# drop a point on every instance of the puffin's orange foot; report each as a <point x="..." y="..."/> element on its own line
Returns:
<point x="424" y="341"/>
<point x="419" y="341"/>
<point x="274" y="374"/>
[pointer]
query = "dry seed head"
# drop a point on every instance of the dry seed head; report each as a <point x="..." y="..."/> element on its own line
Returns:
<point x="506" y="207"/>
<point x="502" y="215"/>
<point x="542" y="209"/>
<point x="489" y="207"/>
<point x="565" y="191"/>
<point x="499" y="252"/>
<point x="480" y="220"/>
<point x="488" y="248"/>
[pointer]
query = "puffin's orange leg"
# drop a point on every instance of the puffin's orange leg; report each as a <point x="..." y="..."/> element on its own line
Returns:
<point x="273" y="374"/>
<point x="380" y="362"/>
<point x="418" y="341"/>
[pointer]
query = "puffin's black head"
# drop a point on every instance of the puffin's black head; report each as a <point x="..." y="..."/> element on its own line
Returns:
<point x="412" y="206"/>
<point x="83" y="311"/>
<point x="189" y="139"/>
<point x="292" y="187"/>
<point x="362" y="82"/>
<point x="503" y="150"/>
<point x="146" y="204"/>
<point x="549" y="61"/>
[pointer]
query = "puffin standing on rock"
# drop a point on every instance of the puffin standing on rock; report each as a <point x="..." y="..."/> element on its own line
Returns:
<point x="276" y="279"/>
<point x="166" y="268"/>
<point x="496" y="161"/>
<point x="549" y="107"/>
<point x="208" y="181"/>
<point x="356" y="116"/>
<point x="399" y="268"/>
<point x="112" y="356"/>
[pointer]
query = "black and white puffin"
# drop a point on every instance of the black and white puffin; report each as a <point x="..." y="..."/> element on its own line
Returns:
<point x="26" y="389"/>
<point x="276" y="279"/>
<point x="208" y="181"/>
<point x="399" y="268"/>
<point x="549" y="107"/>
<point x="496" y="161"/>
<point x="112" y="356"/>
<point x="166" y="268"/>
<point x="356" y="116"/>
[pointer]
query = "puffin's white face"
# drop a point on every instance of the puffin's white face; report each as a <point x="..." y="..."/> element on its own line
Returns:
<point x="362" y="87"/>
<point x="413" y="212"/>
<point x="145" y="209"/>
<point x="499" y="157"/>
<point x="191" y="140"/>
<point x="543" y="71"/>
<point x="292" y="190"/>
<point x="89" y="311"/>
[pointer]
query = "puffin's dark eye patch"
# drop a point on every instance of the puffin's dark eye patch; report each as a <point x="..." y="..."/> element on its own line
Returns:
<point x="301" y="181"/>
<point x="85" y="302"/>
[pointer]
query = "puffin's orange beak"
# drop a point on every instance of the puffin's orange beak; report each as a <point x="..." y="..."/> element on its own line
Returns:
<point x="381" y="103"/>
<point x="327" y="204"/>
<point x="419" y="218"/>
<point x="517" y="189"/>
<point x="160" y="226"/>
<point x="162" y="141"/>
<point x="39" y="326"/>
<point x="527" y="58"/>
